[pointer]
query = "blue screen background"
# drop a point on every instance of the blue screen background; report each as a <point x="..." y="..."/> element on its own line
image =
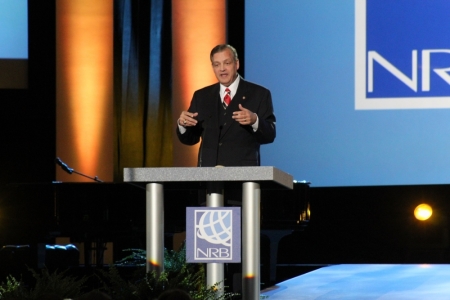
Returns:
<point x="303" y="51"/>
<point x="13" y="29"/>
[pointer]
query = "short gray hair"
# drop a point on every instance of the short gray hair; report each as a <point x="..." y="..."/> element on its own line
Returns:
<point x="222" y="47"/>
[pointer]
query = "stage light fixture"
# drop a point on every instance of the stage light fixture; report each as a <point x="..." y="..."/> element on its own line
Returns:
<point x="423" y="212"/>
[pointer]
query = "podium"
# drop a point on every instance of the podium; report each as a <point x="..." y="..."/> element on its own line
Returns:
<point x="216" y="179"/>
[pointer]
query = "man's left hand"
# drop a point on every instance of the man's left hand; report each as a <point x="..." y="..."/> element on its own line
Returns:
<point x="244" y="116"/>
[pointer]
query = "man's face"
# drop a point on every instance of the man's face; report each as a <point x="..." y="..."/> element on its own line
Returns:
<point x="225" y="67"/>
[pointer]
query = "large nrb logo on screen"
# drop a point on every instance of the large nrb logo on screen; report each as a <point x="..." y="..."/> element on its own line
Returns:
<point x="402" y="54"/>
<point x="213" y="234"/>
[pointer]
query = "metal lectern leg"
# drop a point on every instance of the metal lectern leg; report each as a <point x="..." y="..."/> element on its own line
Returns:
<point x="155" y="227"/>
<point x="251" y="197"/>
<point x="215" y="271"/>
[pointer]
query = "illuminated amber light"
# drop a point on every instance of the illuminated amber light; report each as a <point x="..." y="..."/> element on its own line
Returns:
<point x="197" y="26"/>
<point x="423" y="212"/>
<point x="154" y="263"/>
<point x="84" y="87"/>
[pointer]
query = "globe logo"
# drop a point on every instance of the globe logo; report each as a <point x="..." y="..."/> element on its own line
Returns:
<point x="213" y="234"/>
<point x="215" y="227"/>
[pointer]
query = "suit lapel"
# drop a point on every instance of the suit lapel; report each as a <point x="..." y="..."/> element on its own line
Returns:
<point x="212" y="106"/>
<point x="240" y="95"/>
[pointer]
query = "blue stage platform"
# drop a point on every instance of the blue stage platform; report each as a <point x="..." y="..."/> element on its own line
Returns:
<point x="367" y="281"/>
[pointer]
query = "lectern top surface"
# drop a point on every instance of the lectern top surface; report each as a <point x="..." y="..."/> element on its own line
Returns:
<point x="209" y="174"/>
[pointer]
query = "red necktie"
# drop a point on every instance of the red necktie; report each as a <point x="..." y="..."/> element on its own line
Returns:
<point x="227" y="97"/>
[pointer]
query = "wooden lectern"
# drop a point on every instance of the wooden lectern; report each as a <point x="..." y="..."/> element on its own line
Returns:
<point x="250" y="178"/>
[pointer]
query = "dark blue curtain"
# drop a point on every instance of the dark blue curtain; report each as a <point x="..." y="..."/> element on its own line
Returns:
<point x="142" y="84"/>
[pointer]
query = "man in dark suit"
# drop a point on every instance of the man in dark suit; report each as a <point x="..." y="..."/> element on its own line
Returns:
<point x="232" y="117"/>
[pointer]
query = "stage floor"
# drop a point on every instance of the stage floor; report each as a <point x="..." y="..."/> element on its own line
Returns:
<point x="371" y="281"/>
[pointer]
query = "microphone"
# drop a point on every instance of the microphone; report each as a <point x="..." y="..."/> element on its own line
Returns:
<point x="218" y="142"/>
<point x="200" y="154"/>
<point x="63" y="166"/>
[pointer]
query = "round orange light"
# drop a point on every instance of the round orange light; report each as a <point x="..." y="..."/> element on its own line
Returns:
<point x="423" y="212"/>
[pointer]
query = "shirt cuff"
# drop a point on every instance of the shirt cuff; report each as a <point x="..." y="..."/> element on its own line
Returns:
<point x="181" y="128"/>
<point x="255" y="125"/>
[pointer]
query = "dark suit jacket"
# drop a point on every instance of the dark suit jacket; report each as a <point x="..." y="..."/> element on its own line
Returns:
<point x="223" y="140"/>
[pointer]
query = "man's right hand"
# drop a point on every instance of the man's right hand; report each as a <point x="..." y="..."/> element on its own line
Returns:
<point x="187" y="119"/>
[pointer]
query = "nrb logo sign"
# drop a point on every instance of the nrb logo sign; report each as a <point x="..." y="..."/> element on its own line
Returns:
<point x="402" y="54"/>
<point x="213" y="234"/>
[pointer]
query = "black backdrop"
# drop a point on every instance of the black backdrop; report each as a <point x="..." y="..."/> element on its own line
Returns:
<point x="27" y="116"/>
